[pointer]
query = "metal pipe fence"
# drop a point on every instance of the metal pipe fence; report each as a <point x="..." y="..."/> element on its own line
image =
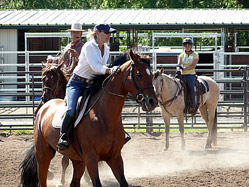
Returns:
<point x="18" y="113"/>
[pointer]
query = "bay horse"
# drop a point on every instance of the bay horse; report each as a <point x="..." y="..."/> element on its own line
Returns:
<point x="99" y="136"/>
<point x="54" y="81"/>
<point x="55" y="78"/>
<point x="171" y="101"/>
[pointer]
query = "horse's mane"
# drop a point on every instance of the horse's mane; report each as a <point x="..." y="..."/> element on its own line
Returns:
<point x="97" y="80"/>
<point x="53" y="68"/>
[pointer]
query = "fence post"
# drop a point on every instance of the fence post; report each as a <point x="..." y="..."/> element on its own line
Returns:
<point x="33" y="97"/>
<point x="245" y="98"/>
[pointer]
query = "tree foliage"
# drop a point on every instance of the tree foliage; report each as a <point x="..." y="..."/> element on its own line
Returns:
<point x="104" y="4"/>
<point x="111" y="4"/>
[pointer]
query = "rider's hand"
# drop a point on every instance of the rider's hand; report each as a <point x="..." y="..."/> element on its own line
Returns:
<point x="114" y="69"/>
<point x="178" y="72"/>
<point x="50" y="59"/>
<point x="178" y="67"/>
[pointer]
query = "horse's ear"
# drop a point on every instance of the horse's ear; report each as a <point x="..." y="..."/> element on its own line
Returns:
<point x="44" y="64"/>
<point x="60" y="65"/>
<point x="161" y="70"/>
<point x="133" y="56"/>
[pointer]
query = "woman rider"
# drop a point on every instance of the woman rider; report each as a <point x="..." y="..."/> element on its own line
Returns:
<point x="92" y="60"/>
<point x="187" y="62"/>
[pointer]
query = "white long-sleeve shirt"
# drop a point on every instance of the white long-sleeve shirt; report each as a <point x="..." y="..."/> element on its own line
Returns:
<point x="91" y="62"/>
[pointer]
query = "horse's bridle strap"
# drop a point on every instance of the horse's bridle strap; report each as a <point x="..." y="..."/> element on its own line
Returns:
<point x="178" y="92"/>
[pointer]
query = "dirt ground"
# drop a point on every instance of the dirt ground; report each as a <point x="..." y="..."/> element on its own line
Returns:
<point x="147" y="165"/>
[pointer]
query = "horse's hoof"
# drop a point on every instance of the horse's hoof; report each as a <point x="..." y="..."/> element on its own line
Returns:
<point x="208" y="146"/>
<point x="165" y="149"/>
<point x="50" y="175"/>
<point x="59" y="185"/>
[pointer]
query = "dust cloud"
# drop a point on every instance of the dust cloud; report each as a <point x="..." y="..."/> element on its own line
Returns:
<point x="144" y="156"/>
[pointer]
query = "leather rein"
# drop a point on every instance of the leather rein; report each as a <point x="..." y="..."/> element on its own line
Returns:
<point x="170" y="101"/>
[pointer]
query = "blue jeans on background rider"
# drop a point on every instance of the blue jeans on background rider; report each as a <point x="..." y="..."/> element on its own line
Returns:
<point x="190" y="81"/>
<point x="74" y="90"/>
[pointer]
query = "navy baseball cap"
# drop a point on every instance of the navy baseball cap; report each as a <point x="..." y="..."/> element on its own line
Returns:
<point x="105" y="28"/>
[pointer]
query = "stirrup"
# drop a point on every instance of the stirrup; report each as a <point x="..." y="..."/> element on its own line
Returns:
<point x="63" y="143"/>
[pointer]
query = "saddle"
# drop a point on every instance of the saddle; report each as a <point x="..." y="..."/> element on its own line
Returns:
<point x="201" y="87"/>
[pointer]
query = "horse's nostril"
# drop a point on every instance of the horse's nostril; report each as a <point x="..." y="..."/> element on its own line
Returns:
<point x="151" y="101"/>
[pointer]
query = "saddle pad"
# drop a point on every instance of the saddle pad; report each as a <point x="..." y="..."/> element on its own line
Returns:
<point x="60" y="115"/>
<point x="204" y="85"/>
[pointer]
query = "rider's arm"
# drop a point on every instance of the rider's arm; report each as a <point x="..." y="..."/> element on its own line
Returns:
<point x="92" y="59"/>
<point x="194" y="64"/>
<point x="179" y="65"/>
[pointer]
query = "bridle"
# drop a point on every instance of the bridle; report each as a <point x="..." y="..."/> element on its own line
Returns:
<point x="54" y="91"/>
<point x="139" y="96"/>
<point x="168" y="103"/>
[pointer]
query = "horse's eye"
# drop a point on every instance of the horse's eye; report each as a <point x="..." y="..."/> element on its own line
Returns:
<point x="139" y="74"/>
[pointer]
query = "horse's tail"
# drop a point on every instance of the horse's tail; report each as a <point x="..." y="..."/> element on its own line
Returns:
<point x="28" y="169"/>
<point x="214" y="129"/>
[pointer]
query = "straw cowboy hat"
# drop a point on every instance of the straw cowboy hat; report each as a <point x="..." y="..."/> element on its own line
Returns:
<point x="75" y="27"/>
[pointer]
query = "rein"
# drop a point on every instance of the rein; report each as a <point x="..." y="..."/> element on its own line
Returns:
<point x="170" y="101"/>
<point x="139" y="97"/>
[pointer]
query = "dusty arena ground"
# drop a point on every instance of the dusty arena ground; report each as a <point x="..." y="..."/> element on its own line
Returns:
<point x="146" y="165"/>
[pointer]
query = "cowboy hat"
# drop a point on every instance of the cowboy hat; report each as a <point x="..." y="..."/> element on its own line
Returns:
<point x="75" y="27"/>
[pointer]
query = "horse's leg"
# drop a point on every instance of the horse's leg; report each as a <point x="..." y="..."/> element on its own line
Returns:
<point x="204" y="115"/>
<point x="181" y="129"/>
<point x="118" y="170"/>
<point x="64" y="163"/>
<point x="208" y="116"/>
<point x="87" y="177"/>
<point x="211" y="116"/>
<point x="44" y="154"/>
<point x="166" y="124"/>
<point x="78" y="170"/>
<point x="214" y="130"/>
<point x="92" y="168"/>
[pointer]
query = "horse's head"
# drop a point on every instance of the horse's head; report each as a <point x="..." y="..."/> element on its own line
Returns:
<point x="141" y="79"/>
<point x="52" y="78"/>
<point x="158" y="82"/>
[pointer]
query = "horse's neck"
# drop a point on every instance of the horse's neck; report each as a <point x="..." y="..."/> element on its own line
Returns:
<point x="113" y="98"/>
<point x="169" y="87"/>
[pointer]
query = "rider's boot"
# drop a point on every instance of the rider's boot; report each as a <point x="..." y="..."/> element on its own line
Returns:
<point x="193" y="109"/>
<point x="66" y="127"/>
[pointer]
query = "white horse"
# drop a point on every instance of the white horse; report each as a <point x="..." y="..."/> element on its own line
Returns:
<point x="171" y="101"/>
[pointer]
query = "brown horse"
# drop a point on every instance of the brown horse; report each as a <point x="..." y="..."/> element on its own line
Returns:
<point x="171" y="102"/>
<point x="54" y="81"/>
<point x="99" y="136"/>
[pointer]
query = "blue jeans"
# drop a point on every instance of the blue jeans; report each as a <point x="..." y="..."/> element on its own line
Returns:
<point x="74" y="90"/>
<point x="190" y="81"/>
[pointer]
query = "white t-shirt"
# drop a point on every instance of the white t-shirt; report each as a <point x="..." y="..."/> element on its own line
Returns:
<point x="91" y="62"/>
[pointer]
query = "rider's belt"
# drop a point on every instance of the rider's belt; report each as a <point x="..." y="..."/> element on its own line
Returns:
<point x="81" y="78"/>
